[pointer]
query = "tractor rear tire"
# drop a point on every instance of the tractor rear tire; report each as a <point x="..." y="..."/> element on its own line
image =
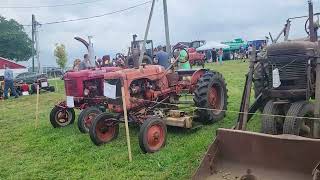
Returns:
<point x="210" y="96"/>
<point x="272" y="124"/>
<point x="152" y="135"/>
<point x="60" y="117"/>
<point x="293" y="125"/>
<point x="104" y="129"/>
<point x="86" y="117"/>
<point x="147" y="59"/>
<point x="259" y="82"/>
<point x="52" y="89"/>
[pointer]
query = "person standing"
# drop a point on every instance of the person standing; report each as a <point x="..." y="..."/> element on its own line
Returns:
<point x="8" y="82"/>
<point x="183" y="59"/>
<point x="214" y="54"/>
<point x="76" y="64"/>
<point x="162" y="57"/>
<point x="86" y="63"/>
<point x="250" y="48"/>
<point x="106" y="60"/>
<point x="220" y="54"/>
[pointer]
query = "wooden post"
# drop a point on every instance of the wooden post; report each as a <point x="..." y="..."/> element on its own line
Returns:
<point x="248" y="89"/>
<point x="37" y="108"/>
<point x="55" y="79"/>
<point x="125" y="114"/>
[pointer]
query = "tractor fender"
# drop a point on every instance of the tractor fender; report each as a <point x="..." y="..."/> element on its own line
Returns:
<point x="197" y="75"/>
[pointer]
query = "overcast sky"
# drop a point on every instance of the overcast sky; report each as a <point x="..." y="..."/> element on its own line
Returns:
<point x="217" y="20"/>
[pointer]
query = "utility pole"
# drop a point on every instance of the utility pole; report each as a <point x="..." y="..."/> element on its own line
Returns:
<point x="146" y="34"/>
<point x="166" y="24"/>
<point x="33" y="24"/>
<point x="37" y="46"/>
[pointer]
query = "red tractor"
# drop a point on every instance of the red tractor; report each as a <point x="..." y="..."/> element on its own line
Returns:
<point x="195" y="57"/>
<point x="152" y="98"/>
<point x="84" y="91"/>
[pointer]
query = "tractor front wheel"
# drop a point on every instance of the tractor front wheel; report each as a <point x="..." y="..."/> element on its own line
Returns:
<point x="61" y="117"/>
<point x="272" y="124"/>
<point x="295" y="123"/>
<point x="86" y="117"/>
<point x="52" y="89"/>
<point x="152" y="135"/>
<point x="104" y="128"/>
<point x="210" y="97"/>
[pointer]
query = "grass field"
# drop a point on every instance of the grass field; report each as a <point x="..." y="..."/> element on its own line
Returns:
<point x="27" y="152"/>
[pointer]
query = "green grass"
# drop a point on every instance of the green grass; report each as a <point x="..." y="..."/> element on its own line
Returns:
<point x="27" y="152"/>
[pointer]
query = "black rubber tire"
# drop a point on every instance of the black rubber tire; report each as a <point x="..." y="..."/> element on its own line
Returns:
<point x="83" y="115"/>
<point x="129" y="62"/>
<point x="201" y="97"/>
<point x="259" y="82"/>
<point x="272" y="124"/>
<point x="54" y="113"/>
<point x="33" y="89"/>
<point x="143" y="139"/>
<point x="94" y="134"/>
<point x="293" y="125"/>
<point x="52" y="89"/>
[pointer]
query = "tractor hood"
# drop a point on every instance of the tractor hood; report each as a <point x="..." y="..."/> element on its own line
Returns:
<point x="143" y="72"/>
<point x="293" y="47"/>
<point x="91" y="72"/>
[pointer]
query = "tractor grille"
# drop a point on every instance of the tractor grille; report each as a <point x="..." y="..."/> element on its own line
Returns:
<point x="71" y="88"/>
<point x="292" y="71"/>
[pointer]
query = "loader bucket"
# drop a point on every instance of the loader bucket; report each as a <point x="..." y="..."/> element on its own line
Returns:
<point x="242" y="155"/>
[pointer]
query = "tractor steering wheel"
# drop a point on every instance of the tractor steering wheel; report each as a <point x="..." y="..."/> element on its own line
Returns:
<point x="119" y="55"/>
<point x="306" y="26"/>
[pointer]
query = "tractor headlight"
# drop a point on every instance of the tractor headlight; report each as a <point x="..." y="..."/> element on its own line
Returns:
<point x="86" y="92"/>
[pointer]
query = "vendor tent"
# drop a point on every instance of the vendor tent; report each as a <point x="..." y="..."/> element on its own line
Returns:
<point x="211" y="45"/>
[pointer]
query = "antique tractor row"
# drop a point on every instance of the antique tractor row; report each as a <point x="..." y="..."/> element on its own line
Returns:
<point x="152" y="95"/>
<point x="146" y="89"/>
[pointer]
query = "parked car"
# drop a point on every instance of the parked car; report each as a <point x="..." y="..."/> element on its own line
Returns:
<point x="35" y="79"/>
<point x="29" y="77"/>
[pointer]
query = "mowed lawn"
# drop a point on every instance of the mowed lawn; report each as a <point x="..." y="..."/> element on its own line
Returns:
<point x="27" y="152"/>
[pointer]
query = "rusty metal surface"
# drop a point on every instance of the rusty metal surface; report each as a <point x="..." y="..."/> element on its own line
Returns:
<point x="234" y="153"/>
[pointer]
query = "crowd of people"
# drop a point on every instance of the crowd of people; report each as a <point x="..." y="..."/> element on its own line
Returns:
<point x="161" y="57"/>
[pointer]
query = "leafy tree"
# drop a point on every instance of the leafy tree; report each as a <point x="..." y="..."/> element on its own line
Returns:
<point x="14" y="42"/>
<point x="61" y="55"/>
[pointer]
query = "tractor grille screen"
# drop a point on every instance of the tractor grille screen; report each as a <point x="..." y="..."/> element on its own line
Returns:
<point x="71" y="88"/>
<point x="292" y="71"/>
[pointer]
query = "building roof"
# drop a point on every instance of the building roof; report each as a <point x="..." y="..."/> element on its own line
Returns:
<point x="10" y="63"/>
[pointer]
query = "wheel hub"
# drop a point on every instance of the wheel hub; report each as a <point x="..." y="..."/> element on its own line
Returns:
<point x="214" y="98"/>
<point x="105" y="131"/>
<point x="155" y="136"/>
<point x="62" y="117"/>
<point x="88" y="119"/>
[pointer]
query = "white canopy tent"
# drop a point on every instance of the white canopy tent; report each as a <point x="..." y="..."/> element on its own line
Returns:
<point x="211" y="45"/>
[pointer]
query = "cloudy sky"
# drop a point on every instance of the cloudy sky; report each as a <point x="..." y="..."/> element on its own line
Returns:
<point x="216" y="20"/>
